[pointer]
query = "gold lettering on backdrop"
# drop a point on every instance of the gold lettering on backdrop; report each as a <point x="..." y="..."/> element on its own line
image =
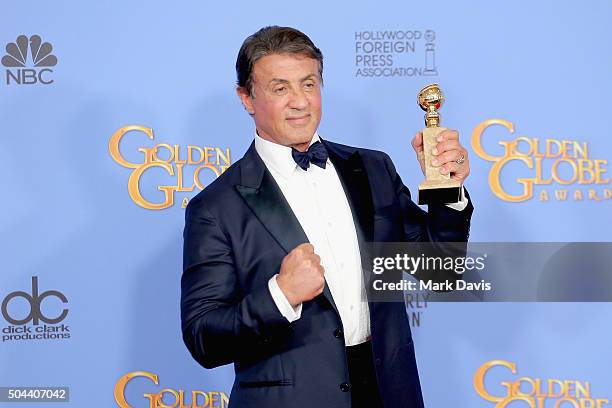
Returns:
<point x="536" y="392"/>
<point x="549" y="161"/>
<point x="168" y="397"/>
<point x="172" y="160"/>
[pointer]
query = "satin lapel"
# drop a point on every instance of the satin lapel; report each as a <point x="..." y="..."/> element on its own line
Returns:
<point x="357" y="188"/>
<point x="266" y="200"/>
<point x="356" y="185"/>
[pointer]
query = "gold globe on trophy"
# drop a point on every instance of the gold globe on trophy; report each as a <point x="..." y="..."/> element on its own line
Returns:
<point x="437" y="188"/>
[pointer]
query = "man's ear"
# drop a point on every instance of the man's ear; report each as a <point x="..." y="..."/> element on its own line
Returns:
<point x="246" y="99"/>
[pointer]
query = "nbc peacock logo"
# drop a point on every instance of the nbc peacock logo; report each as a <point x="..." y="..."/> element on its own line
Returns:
<point x="27" y="61"/>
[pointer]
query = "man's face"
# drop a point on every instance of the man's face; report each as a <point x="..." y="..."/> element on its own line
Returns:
<point x="286" y="99"/>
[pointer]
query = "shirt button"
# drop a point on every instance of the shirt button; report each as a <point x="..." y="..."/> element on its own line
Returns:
<point x="377" y="361"/>
<point x="344" y="387"/>
<point x="352" y="307"/>
<point x="338" y="333"/>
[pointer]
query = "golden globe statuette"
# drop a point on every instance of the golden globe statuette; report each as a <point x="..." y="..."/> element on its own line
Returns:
<point x="437" y="188"/>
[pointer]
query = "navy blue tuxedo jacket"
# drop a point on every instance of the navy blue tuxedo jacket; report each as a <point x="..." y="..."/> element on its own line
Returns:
<point x="238" y="230"/>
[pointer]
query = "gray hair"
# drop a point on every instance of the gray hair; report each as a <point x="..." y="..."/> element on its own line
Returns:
<point x="272" y="40"/>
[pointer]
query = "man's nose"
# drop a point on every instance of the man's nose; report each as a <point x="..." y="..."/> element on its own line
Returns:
<point x="298" y="100"/>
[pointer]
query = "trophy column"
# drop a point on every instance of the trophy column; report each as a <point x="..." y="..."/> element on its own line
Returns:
<point x="437" y="188"/>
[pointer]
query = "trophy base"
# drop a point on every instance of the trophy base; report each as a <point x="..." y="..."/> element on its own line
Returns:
<point x="439" y="192"/>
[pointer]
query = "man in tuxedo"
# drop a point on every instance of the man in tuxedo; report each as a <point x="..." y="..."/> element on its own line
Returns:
<point x="272" y="274"/>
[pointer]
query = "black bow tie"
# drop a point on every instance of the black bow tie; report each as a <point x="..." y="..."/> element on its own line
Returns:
<point x="316" y="154"/>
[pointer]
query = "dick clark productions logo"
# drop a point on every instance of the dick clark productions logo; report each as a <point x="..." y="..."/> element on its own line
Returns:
<point x="29" y="327"/>
<point x="32" y="52"/>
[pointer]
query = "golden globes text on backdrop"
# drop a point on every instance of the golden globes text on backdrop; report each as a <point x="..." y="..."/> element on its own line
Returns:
<point x="554" y="165"/>
<point x="175" y="161"/>
<point x="535" y="392"/>
<point x="168" y="397"/>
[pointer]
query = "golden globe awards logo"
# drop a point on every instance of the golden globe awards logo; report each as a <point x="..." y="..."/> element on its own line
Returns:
<point x="536" y="392"/>
<point x="26" y="49"/>
<point x="168" y="397"/>
<point x="187" y="167"/>
<point x="554" y="166"/>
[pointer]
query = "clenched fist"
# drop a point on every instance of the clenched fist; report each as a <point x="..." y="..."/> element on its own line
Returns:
<point x="301" y="275"/>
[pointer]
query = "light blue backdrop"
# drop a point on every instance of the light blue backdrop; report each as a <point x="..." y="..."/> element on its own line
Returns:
<point x="66" y="216"/>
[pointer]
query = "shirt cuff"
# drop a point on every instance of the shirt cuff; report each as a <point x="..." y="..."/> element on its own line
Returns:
<point x="284" y="307"/>
<point x="459" y="206"/>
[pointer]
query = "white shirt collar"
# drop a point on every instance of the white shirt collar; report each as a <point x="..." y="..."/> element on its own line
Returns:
<point x="278" y="157"/>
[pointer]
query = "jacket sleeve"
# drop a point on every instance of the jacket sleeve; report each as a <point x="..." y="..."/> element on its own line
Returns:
<point x="439" y="224"/>
<point x="218" y="322"/>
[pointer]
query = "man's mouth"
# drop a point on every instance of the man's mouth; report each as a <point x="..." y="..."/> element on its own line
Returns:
<point x="299" y="120"/>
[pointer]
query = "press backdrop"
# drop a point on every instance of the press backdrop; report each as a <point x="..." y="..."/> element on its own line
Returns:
<point x="110" y="110"/>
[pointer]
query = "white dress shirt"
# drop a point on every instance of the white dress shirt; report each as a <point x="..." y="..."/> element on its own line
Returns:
<point x="317" y="199"/>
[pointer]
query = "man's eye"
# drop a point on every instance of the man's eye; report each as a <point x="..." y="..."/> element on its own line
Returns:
<point x="309" y="85"/>
<point x="280" y="89"/>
